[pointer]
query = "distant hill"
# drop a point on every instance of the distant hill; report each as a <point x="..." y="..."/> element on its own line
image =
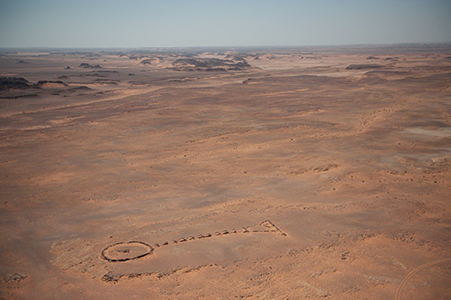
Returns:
<point x="19" y="83"/>
<point x="13" y="83"/>
<point x="209" y="64"/>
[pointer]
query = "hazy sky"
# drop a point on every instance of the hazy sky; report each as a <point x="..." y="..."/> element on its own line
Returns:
<point x="180" y="23"/>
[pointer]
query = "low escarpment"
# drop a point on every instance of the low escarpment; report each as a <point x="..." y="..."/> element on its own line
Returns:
<point x="50" y="84"/>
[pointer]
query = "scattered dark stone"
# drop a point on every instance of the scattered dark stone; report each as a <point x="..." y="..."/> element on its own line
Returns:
<point x="22" y="62"/>
<point x="16" y="277"/>
<point x="68" y="68"/>
<point x="111" y="278"/>
<point x="345" y="256"/>
<point x="372" y="57"/>
<point x="13" y="83"/>
<point x="63" y="77"/>
<point x="96" y="75"/>
<point x="363" y="66"/>
<point x="135" y="275"/>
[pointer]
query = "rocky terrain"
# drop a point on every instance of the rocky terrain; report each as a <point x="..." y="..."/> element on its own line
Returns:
<point x="201" y="176"/>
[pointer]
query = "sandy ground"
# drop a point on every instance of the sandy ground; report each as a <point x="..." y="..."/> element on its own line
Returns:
<point x="294" y="179"/>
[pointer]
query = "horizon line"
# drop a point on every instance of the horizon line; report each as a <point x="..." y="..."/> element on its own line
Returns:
<point x="236" y="46"/>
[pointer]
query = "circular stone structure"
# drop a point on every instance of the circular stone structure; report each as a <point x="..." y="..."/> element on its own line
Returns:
<point x="126" y="251"/>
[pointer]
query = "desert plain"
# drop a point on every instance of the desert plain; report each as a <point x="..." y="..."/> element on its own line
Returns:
<point x="270" y="173"/>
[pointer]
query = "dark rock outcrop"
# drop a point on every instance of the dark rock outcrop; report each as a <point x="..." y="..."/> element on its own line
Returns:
<point x="364" y="66"/>
<point x="146" y="62"/>
<point x="19" y="96"/>
<point x="13" y="83"/>
<point x="16" y="277"/>
<point x="391" y="58"/>
<point x="50" y="84"/>
<point x="88" y="66"/>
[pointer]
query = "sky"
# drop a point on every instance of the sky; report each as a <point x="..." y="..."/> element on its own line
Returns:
<point x="199" y="23"/>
